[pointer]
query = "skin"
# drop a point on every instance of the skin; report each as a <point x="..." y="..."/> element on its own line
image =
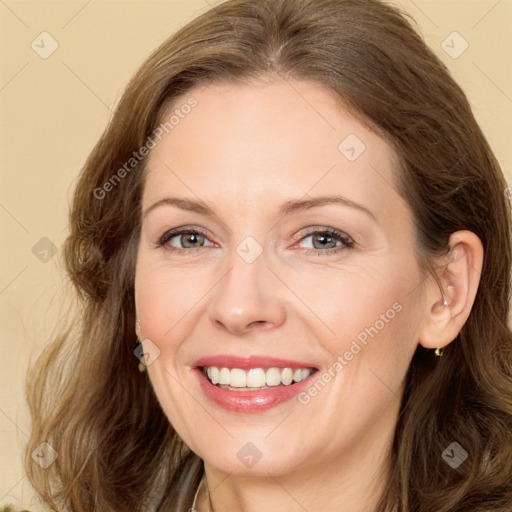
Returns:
<point x="244" y="150"/>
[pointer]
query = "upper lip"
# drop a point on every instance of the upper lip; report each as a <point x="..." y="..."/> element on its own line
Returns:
<point x="253" y="361"/>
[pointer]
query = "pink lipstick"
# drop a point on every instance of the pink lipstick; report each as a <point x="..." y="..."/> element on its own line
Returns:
<point x="252" y="384"/>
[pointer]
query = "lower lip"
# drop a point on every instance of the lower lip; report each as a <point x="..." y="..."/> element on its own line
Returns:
<point x="250" y="401"/>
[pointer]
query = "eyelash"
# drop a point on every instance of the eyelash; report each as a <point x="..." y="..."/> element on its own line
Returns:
<point x="347" y="241"/>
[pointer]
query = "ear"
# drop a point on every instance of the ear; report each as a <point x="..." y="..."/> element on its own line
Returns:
<point x="137" y="326"/>
<point x="457" y="284"/>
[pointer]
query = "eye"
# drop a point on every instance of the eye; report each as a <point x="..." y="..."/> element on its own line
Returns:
<point x="324" y="241"/>
<point x="183" y="240"/>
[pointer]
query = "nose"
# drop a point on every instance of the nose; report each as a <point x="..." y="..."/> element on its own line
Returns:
<point x="247" y="298"/>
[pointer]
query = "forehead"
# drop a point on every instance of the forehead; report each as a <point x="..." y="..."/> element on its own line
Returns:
<point x="264" y="142"/>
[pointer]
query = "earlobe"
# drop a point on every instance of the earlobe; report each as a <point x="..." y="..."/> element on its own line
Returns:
<point x="451" y="296"/>
<point x="137" y="327"/>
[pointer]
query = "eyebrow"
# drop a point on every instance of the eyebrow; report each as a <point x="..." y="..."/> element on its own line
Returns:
<point x="287" y="208"/>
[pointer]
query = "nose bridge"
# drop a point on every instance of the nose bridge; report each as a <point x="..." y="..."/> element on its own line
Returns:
<point x="247" y="292"/>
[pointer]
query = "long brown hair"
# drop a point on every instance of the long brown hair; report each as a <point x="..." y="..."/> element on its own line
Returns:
<point x="117" y="450"/>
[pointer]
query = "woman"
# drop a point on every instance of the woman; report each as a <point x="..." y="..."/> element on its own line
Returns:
<point x="335" y="337"/>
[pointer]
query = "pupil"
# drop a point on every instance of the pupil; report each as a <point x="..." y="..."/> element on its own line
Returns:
<point x="190" y="238"/>
<point x="324" y="238"/>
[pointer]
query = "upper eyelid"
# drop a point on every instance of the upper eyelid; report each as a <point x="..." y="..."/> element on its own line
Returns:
<point x="304" y="233"/>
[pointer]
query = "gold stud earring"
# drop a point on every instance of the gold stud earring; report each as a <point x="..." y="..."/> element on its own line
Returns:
<point x="141" y="366"/>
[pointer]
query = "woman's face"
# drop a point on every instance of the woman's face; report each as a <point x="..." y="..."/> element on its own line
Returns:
<point x="264" y="287"/>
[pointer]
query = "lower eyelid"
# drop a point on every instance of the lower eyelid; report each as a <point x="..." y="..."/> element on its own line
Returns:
<point x="166" y="239"/>
<point x="330" y="251"/>
<point x="345" y="240"/>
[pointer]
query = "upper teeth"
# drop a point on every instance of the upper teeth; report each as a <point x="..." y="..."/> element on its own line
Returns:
<point x="256" y="377"/>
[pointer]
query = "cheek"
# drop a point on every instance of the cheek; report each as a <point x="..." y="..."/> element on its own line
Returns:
<point x="355" y="304"/>
<point x="163" y="297"/>
<point x="171" y="301"/>
<point x="361" y="305"/>
<point x="373" y="322"/>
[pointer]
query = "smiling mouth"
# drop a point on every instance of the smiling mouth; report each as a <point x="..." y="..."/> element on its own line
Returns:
<point x="255" y="379"/>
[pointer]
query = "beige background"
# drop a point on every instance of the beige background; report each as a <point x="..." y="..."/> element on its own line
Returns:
<point x="54" y="109"/>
